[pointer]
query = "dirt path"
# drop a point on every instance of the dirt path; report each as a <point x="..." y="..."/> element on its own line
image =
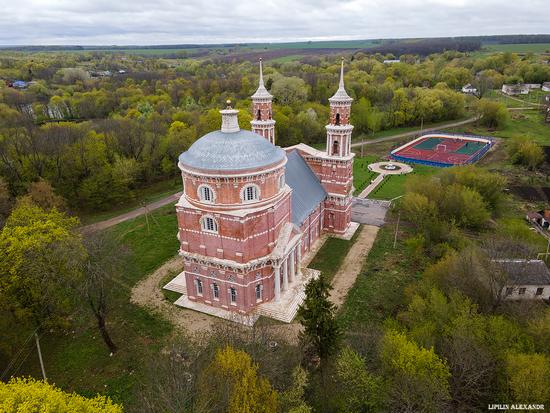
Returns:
<point x="147" y="293"/>
<point x="130" y="215"/>
<point x="352" y="264"/>
<point x="414" y="132"/>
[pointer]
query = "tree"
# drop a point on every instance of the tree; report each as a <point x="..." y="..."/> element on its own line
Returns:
<point x="524" y="151"/>
<point x="321" y="332"/>
<point x="529" y="377"/>
<point x="289" y="90"/>
<point x="358" y="390"/>
<point x="292" y="400"/>
<point x="6" y="202"/>
<point x="41" y="193"/>
<point x="29" y="395"/>
<point x="418" y="209"/>
<point x="418" y="378"/>
<point x="105" y="262"/>
<point x="231" y="384"/>
<point x="40" y="259"/>
<point x="492" y="114"/>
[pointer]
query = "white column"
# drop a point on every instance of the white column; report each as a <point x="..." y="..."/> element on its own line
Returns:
<point x="299" y="259"/>
<point x="277" y="280"/>
<point x="292" y="257"/>
<point x="285" y="275"/>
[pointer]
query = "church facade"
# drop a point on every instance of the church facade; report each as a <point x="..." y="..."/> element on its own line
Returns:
<point x="251" y="210"/>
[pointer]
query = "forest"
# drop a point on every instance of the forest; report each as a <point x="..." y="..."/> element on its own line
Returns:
<point x="425" y="327"/>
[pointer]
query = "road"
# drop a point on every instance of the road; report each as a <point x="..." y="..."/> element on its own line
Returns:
<point x="98" y="226"/>
<point x="414" y="132"/>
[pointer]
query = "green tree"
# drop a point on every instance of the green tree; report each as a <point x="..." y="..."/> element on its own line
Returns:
<point x="358" y="390"/>
<point x="529" y="377"/>
<point x="231" y="384"/>
<point x="492" y="114"/>
<point x="321" y="332"/>
<point x="524" y="151"/>
<point x="28" y="395"/>
<point x="418" y="378"/>
<point x="292" y="400"/>
<point x="289" y="90"/>
<point x="40" y="259"/>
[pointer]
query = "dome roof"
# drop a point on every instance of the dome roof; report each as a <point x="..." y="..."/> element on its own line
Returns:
<point x="231" y="151"/>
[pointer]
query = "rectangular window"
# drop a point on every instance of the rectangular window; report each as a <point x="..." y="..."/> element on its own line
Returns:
<point x="233" y="294"/>
<point x="216" y="291"/>
<point x="199" y="287"/>
<point x="540" y="290"/>
<point x="522" y="291"/>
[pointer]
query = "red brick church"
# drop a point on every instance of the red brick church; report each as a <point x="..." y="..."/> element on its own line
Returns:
<point x="251" y="210"/>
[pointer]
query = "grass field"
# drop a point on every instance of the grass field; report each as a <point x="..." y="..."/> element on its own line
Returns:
<point x="378" y="291"/>
<point x="78" y="360"/>
<point x="518" y="48"/>
<point x="394" y="185"/>
<point x="361" y="174"/>
<point x="330" y="256"/>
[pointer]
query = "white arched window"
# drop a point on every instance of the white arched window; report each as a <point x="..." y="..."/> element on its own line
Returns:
<point x="209" y="224"/>
<point x="250" y="193"/>
<point x="282" y="181"/>
<point x="206" y="194"/>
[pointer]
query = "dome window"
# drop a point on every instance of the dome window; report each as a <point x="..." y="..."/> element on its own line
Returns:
<point x="206" y="194"/>
<point x="250" y="193"/>
<point x="209" y="224"/>
<point x="282" y="181"/>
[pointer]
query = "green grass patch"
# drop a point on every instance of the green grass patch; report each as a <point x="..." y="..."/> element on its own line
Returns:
<point x="378" y="292"/>
<point x="331" y="255"/>
<point x="361" y="174"/>
<point x="170" y="296"/>
<point x="394" y="185"/>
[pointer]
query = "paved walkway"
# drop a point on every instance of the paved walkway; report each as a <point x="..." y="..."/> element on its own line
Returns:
<point x="131" y="215"/>
<point x="414" y="132"/>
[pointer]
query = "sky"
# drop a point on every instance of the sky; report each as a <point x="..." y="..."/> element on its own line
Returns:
<point x="146" y="22"/>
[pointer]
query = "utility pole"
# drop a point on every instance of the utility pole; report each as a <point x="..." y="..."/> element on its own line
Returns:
<point x="40" y="356"/>
<point x="396" y="230"/>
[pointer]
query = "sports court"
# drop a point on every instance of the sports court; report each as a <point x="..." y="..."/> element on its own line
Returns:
<point x="443" y="150"/>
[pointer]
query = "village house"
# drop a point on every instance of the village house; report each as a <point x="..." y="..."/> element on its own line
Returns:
<point x="541" y="218"/>
<point x="469" y="89"/>
<point x="546" y="86"/>
<point x="527" y="279"/>
<point x="517" y="89"/>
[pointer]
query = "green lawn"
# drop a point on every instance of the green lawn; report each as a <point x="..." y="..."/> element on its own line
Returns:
<point x="148" y="194"/>
<point x="378" y="292"/>
<point x="330" y="256"/>
<point x="361" y="174"/>
<point x="77" y="360"/>
<point x="534" y="97"/>
<point x="524" y="123"/>
<point x="394" y="185"/>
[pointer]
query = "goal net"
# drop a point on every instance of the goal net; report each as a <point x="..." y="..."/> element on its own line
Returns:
<point x="441" y="147"/>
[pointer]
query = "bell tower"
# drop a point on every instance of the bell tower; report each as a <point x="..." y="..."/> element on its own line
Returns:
<point x="339" y="129"/>
<point x="337" y="168"/>
<point x="262" y="115"/>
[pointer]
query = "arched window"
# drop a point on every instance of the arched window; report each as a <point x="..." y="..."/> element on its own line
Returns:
<point x="337" y="118"/>
<point x="209" y="224"/>
<point x="335" y="148"/>
<point x="250" y="193"/>
<point x="206" y="194"/>
<point x="269" y="113"/>
<point x="282" y="181"/>
<point x="216" y="291"/>
<point x="259" y="291"/>
<point x="199" y="286"/>
<point x="233" y="295"/>
<point x="259" y="115"/>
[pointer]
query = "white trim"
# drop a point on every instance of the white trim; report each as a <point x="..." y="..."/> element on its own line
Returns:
<point x="257" y="193"/>
<point x="202" y="198"/>
<point x="204" y="226"/>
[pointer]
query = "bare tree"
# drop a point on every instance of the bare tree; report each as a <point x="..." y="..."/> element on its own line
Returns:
<point x="105" y="262"/>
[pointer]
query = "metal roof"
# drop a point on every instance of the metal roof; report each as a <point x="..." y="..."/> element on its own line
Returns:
<point x="222" y="151"/>
<point x="307" y="191"/>
<point x="526" y="272"/>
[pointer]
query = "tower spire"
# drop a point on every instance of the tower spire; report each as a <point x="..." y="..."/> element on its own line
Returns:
<point x="262" y="122"/>
<point x="341" y="85"/>
<point x="261" y="74"/>
<point x="341" y="95"/>
<point x="261" y="92"/>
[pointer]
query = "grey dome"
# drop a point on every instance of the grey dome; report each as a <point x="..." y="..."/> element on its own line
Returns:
<point x="231" y="151"/>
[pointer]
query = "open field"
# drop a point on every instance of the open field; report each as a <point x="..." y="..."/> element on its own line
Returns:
<point x="518" y="48"/>
<point x="394" y="185"/>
